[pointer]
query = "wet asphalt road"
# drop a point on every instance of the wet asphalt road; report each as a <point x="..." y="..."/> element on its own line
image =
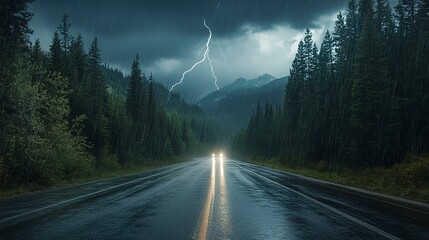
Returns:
<point x="207" y="198"/>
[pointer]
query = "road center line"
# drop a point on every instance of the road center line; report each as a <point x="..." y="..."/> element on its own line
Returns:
<point x="205" y="215"/>
<point x="341" y="213"/>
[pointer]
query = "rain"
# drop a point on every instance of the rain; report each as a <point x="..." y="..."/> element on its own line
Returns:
<point x="256" y="119"/>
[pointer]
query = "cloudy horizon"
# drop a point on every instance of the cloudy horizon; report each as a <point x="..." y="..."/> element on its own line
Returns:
<point x="250" y="38"/>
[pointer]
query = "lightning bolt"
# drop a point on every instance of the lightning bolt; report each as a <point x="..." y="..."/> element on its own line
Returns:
<point x="218" y="5"/>
<point x="205" y="56"/>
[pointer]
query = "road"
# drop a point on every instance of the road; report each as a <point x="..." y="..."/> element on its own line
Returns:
<point x="207" y="198"/>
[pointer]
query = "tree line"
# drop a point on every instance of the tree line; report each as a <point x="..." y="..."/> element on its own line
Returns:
<point x="361" y="99"/>
<point x="59" y="119"/>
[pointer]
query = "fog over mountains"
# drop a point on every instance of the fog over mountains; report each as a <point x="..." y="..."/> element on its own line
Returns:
<point x="233" y="105"/>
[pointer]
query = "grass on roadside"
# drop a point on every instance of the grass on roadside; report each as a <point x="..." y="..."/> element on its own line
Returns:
<point x="409" y="179"/>
<point x="98" y="174"/>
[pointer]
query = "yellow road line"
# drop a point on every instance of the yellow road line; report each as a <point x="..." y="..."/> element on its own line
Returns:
<point x="205" y="217"/>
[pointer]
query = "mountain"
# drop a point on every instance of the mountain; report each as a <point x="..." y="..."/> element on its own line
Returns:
<point x="238" y="84"/>
<point x="232" y="106"/>
<point x="244" y="83"/>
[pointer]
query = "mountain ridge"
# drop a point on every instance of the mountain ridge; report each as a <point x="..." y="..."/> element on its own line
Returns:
<point x="232" y="109"/>
<point x="240" y="83"/>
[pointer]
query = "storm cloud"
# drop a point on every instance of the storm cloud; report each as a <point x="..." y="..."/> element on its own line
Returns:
<point x="256" y="36"/>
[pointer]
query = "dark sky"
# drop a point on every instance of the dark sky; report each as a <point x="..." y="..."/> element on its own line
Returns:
<point x="256" y="36"/>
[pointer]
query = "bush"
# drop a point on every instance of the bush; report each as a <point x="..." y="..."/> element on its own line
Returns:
<point x="413" y="172"/>
<point x="62" y="156"/>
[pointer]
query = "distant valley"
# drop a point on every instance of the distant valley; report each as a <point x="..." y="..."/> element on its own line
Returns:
<point x="233" y="105"/>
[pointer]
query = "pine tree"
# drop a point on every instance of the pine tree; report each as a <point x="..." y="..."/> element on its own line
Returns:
<point x="155" y="125"/>
<point x="64" y="29"/>
<point x="55" y="55"/>
<point x="96" y="121"/>
<point x="368" y="94"/>
<point x="353" y="30"/>
<point x="65" y="39"/>
<point x="14" y="30"/>
<point x="135" y="92"/>
<point x="308" y="54"/>
<point x="340" y="46"/>
<point x="404" y="85"/>
<point x="254" y="132"/>
<point x="267" y="148"/>
<point x="345" y="37"/>
<point x="151" y="107"/>
<point x="326" y="60"/>
<point x="38" y="62"/>
<point x="37" y="53"/>
<point x="120" y="125"/>
<point x="79" y="97"/>
<point x="383" y="18"/>
<point x="293" y="102"/>
<point x="406" y="11"/>
<point x="327" y="103"/>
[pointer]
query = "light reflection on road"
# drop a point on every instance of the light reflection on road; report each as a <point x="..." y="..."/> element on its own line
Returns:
<point x="221" y="159"/>
<point x="223" y="212"/>
<point x="215" y="218"/>
<point x="208" y="204"/>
